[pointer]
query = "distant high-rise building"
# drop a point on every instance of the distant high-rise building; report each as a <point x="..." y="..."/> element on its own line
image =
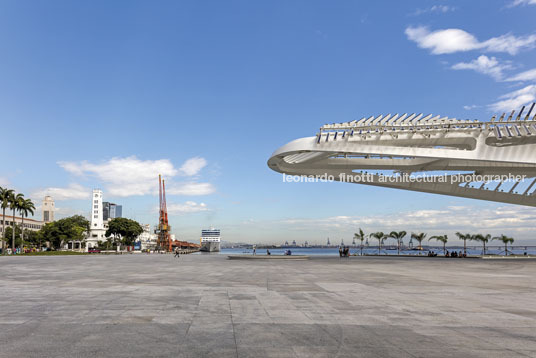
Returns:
<point x="48" y="209"/>
<point x="329" y="242"/>
<point x="116" y="211"/>
<point x="111" y="211"/>
<point x="105" y="210"/>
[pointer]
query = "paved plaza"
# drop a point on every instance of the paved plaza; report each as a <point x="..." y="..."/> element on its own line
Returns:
<point x="208" y="306"/>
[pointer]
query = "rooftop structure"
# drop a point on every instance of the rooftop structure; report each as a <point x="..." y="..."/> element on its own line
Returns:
<point x="466" y="158"/>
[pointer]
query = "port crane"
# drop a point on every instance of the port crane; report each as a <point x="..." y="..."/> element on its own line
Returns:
<point x="163" y="230"/>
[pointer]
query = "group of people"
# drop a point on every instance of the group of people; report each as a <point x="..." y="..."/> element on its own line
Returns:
<point x="455" y="254"/>
<point x="344" y="251"/>
<point x="448" y="254"/>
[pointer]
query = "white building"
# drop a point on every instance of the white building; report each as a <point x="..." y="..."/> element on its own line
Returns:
<point x="29" y="224"/>
<point x="99" y="226"/>
<point x="97" y="229"/>
<point x="147" y="239"/>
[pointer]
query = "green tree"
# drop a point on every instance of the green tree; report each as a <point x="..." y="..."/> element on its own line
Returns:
<point x="398" y="236"/>
<point x="484" y="239"/>
<point x="5" y="195"/>
<point x="9" y="233"/>
<point x="127" y="229"/>
<point x="443" y="239"/>
<point x="15" y="203"/>
<point x="57" y="233"/>
<point x="506" y="240"/>
<point x="419" y="237"/>
<point x="31" y="237"/>
<point x="380" y="236"/>
<point x="464" y="237"/>
<point x="361" y="237"/>
<point x="26" y="207"/>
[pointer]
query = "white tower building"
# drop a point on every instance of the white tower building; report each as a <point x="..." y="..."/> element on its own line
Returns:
<point x="97" y="231"/>
<point x="48" y="209"/>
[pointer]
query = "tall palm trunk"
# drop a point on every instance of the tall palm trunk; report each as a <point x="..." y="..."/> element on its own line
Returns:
<point x="13" y="236"/>
<point x="22" y="233"/>
<point x="465" y="246"/>
<point x="379" y="246"/>
<point x="4" y="231"/>
<point x="398" y="248"/>
<point x="484" y="244"/>
<point x="444" y="248"/>
<point x="361" y="247"/>
<point x="506" y="249"/>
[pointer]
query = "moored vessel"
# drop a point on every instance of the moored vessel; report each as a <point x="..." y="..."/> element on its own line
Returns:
<point x="210" y="240"/>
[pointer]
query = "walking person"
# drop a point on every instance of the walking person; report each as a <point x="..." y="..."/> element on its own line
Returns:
<point x="177" y="252"/>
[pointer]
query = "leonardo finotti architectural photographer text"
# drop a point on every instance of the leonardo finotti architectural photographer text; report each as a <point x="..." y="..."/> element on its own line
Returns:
<point x="401" y="178"/>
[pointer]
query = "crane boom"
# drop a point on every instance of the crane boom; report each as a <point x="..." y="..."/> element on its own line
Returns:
<point x="163" y="231"/>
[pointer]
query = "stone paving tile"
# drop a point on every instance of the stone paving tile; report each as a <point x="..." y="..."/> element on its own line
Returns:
<point x="267" y="352"/>
<point x="207" y="306"/>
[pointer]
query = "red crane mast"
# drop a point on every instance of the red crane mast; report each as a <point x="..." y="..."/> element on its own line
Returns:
<point x="164" y="236"/>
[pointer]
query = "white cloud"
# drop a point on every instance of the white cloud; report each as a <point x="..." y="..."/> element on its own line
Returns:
<point x="515" y="99"/>
<point x="510" y="220"/>
<point x="485" y="65"/>
<point x="434" y="9"/>
<point x="192" y="166"/>
<point x="457" y="40"/>
<point x="132" y="176"/>
<point x="186" y="207"/>
<point x="191" y="189"/>
<point x="529" y="75"/>
<point x="73" y="191"/>
<point x="470" y="107"/>
<point x="522" y="2"/>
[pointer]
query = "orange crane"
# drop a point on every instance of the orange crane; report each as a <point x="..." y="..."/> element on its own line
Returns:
<point x="163" y="231"/>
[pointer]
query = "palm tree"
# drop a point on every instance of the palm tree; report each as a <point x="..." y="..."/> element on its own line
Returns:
<point x="464" y="237"/>
<point x="5" y="194"/>
<point x="419" y="237"/>
<point x="26" y="207"/>
<point x="443" y="239"/>
<point x="506" y="240"/>
<point x="380" y="236"/>
<point x="483" y="239"/>
<point x="15" y="203"/>
<point x="398" y="236"/>
<point x="360" y="236"/>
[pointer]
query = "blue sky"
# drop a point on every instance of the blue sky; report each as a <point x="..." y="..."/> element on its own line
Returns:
<point x="110" y="94"/>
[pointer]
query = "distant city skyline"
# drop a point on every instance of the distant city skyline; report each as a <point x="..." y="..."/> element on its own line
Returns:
<point x="110" y="95"/>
